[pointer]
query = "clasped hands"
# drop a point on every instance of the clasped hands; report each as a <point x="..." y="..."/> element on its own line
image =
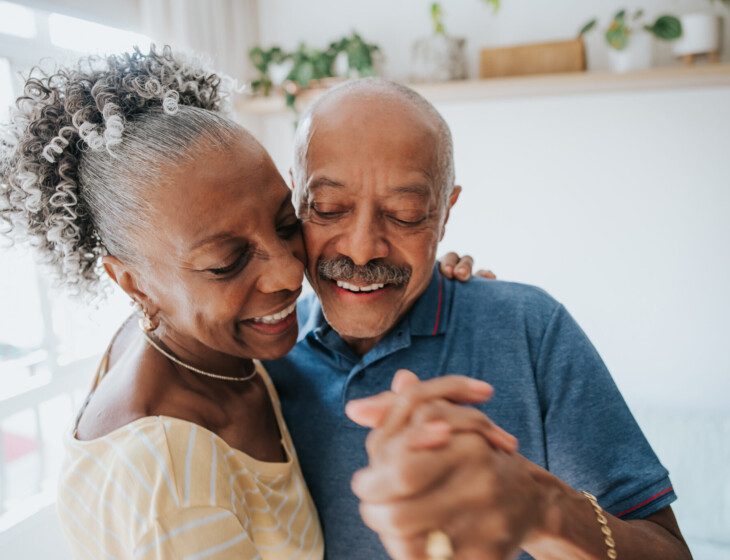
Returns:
<point x="435" y="464"/>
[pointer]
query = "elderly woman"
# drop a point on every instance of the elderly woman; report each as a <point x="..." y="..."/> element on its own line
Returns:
<point x="129" y="168"/>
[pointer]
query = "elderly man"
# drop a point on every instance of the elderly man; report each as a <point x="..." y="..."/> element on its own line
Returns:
<point x="374" y="184"/>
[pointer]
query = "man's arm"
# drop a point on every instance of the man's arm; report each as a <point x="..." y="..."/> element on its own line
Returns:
<point x="570" y="528"/>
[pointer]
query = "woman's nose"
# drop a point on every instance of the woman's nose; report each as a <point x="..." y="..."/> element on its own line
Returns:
<point x="282" y="271"/>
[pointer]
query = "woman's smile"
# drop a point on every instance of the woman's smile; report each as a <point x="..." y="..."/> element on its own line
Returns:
<point x="275" y="323"/>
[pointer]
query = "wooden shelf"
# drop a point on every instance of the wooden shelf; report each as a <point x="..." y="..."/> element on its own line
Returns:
<point x="674" y="77"/>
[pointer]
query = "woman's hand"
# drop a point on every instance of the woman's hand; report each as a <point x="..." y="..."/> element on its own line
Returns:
<point x="453" y="266"/>
<point x="424" y="404"/>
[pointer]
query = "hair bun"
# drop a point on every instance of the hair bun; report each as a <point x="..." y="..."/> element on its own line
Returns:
<point x="63" y="114"/>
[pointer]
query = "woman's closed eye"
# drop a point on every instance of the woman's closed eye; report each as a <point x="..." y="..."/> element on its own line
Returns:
<point x="234" y="266"/>
<point x="288" y="228"/>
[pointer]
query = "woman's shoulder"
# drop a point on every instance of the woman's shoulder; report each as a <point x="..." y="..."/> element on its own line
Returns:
<point x="175" y="461"/>
<point x="134" y="381"/>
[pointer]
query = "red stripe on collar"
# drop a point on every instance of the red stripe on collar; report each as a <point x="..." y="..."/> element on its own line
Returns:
<point x="438" y="307"/>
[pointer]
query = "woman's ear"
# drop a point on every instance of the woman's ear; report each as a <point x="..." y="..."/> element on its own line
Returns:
<point x="126" y="279"/>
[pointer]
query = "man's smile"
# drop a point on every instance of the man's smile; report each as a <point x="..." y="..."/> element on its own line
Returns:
<point x="350" y="292"/>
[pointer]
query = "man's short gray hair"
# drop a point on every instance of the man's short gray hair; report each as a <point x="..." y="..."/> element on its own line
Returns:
<point x="444" y="172"/>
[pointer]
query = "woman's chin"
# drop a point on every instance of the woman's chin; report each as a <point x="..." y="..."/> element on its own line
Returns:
<point x="274" y="348"/>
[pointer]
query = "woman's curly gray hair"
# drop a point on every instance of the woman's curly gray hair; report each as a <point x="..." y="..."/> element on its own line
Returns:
<point x="83" y="143"/>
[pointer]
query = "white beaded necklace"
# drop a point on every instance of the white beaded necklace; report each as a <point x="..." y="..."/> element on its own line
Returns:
<point x="194" y="369"/>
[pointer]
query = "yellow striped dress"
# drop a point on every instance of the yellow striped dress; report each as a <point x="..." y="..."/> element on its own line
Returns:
<point x="162" y="487"/>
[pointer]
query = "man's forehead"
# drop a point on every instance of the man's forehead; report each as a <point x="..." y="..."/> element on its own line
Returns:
<point x="357" y="132"/>
<point x="402" y="166"/>
<point x="367" y="111"/>
<point x="416" y="184"/>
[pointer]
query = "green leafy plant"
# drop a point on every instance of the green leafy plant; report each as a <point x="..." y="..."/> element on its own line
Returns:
<point x="437" y="15"/>
<point x="618" y="33"/>
<point x="359" y="53"/>
<point x="310" y="66"/>
<point x="261" y="60"/>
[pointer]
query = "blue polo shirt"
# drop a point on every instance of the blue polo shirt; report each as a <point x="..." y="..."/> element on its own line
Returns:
<point x="552" y="391"/>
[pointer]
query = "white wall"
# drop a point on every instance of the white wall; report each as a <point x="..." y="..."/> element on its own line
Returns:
<point x="394" y="25"/>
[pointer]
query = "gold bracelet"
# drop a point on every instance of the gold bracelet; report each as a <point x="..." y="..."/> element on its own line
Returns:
<point x="605" y="529"/>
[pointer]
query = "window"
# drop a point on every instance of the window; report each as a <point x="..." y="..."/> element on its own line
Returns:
<point x="86" y="36"/>
<point x="17" y="20"/>
<point x="49" y="344"/>
<point x="6" y="87"/>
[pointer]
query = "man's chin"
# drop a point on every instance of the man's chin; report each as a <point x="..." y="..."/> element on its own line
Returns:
<point x="363" y="316"/>
<point x="351" y="327"/>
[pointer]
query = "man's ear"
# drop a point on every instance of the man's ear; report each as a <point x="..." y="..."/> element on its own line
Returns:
<point x="452" y="200"/>
<point x="126" y="279"/>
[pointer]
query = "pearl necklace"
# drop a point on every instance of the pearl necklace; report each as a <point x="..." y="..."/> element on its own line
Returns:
<point x="194" y="369"/>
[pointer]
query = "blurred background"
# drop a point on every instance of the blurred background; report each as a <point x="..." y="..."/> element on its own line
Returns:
<point x="592" y="141"/>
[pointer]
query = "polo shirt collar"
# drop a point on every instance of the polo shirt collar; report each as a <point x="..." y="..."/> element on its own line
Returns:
<point x="428" y="315"/>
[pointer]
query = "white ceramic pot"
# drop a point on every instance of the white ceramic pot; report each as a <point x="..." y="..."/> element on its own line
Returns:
<point x="636" y="56"/>
<point x="341" y="65"/>
<point x="700" y="34"/>
<point x="279" y="71"/>
<point x="438" y="58"/>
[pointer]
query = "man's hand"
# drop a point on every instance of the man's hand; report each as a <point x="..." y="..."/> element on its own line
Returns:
<point x="452" y="266"/>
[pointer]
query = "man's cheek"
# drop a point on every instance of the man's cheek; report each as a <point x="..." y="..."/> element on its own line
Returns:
<point x="315" y="235"/>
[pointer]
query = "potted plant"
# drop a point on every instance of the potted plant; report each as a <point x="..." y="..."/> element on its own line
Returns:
<point x="267" y="61"/>
<point x="629" y="39"/>
<point x="307" y="67"/>
<point x="355" y="58"/>
<point x="440" y="56"/>
<point x="700" y="34"/>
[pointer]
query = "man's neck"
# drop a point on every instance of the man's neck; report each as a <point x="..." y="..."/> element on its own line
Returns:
<point x="362" y="346"/>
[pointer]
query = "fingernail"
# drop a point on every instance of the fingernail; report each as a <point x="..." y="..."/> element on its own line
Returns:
<point x="448" y="269"/>
<point x="354" y="406"/>
<point x="480" y="386"/>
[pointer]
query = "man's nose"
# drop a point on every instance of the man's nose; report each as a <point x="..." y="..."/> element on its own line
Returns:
<point x="281" y="271"/>
<point x="363" y="241"/>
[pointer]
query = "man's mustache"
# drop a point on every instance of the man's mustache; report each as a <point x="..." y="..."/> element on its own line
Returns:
<point x="374" y="272"/>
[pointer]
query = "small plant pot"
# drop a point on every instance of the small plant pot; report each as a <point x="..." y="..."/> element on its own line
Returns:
<point x="341" y="65"/>
<point x="636" y="56"/>
<point x="438" y="58"/>
<point x="700" y="35"/>
<point x="278" y="71"/>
